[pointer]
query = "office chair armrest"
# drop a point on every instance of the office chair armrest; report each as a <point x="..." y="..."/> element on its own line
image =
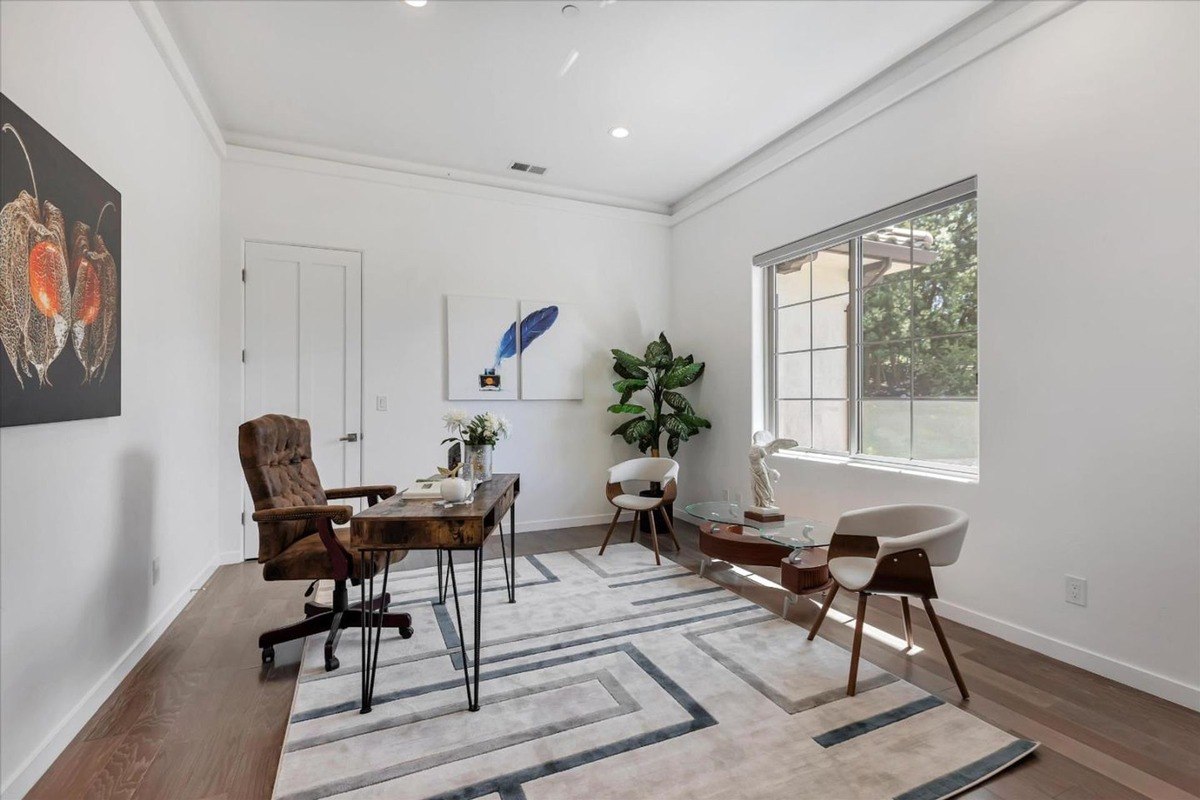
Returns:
<point x="339" y="515"/>
<point x="373" y="494"/>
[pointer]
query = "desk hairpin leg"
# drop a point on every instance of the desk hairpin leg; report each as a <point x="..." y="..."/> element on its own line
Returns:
<point x="512" y="550"/>
<point x="372" y="625"/>
<point x="508" y="561"/>
<point x="442" y="583"/>
<point x="471" y="681"/>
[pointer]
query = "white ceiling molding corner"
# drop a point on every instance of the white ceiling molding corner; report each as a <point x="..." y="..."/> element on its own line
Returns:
<point x="164" y="42"/>
<point x="991" y="27"/>
<point x="267" y="152"/>
<point x="441" y="175"/>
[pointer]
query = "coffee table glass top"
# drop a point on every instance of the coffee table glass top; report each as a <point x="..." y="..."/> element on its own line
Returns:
<point x="797" y="533"/>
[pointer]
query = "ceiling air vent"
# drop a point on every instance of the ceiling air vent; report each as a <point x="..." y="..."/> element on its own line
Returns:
<point x="519" y="167"/>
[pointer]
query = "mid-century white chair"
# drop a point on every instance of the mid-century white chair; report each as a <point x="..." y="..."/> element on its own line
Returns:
<point x="662" y="471"/>
<point x="891" y="550"/>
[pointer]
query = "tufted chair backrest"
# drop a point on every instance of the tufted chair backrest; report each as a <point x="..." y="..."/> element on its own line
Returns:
<point x="276" y="454"/>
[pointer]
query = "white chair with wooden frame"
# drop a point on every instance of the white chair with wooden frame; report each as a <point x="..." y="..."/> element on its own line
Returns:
<point x="891" y="550"/>
<point x="663" y="472"/>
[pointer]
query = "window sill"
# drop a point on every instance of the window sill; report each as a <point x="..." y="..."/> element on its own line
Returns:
<point x="859" y="462"/>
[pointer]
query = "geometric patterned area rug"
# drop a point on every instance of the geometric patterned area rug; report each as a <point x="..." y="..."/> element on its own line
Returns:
<point x="613" y="678"/>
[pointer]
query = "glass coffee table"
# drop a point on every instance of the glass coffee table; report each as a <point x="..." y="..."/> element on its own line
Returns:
<point x="726" y="534"/>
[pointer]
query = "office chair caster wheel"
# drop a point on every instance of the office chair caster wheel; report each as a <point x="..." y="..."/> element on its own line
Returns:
<point x="406" y="632"/>
<point x="332" y="663"/>
<point x="268" y="655"/>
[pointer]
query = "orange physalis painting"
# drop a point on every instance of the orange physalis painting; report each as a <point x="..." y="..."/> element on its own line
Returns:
<point x="55" y="289"/>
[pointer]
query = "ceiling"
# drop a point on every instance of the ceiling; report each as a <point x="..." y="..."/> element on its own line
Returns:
<point x="476" y="85"/>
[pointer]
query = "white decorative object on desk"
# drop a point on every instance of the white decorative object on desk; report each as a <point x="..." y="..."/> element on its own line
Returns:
<point x="455" y="490"/>
<point x="762" y="445"/>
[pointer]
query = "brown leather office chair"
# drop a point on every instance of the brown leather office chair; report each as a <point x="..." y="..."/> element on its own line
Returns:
<point x="296" y="537"/>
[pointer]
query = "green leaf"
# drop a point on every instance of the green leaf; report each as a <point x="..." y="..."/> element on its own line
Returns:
<point x="677" y="401"/>
<point x="627" y="359"/>
<point x="624" y="426"/>
<point x="692" y="421"/>
<point x="675" y="425"/>
<point x="627" y="408"/>
<point x="630" y="385"/>
<point x="658" y="352"/>
<point x="672" y="445"/>
<point x="640" y="429"/>
<point x="636" y="373"/>
<point x="684" y="375"/>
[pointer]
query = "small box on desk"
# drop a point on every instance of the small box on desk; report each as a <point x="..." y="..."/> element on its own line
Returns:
<point x="760" y="514"/>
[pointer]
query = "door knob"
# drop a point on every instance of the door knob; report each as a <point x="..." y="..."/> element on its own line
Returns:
<point x="349" y="437"/>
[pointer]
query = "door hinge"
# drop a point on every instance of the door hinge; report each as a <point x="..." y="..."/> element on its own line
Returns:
<point x="243" y="356"/>
<point x="243" y="517"/>
<point x="243" y="276"/>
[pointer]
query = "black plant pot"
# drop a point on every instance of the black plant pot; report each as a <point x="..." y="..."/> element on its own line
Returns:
<point x="668" y="509"/>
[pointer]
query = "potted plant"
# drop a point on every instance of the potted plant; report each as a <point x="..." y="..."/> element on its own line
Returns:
<point x="479" y="434"/>
<point x="660" y="374"/>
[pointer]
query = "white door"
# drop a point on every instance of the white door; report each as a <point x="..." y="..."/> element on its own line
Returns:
<point x="303" y="354"/>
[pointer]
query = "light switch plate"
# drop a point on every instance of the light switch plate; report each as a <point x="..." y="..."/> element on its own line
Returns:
<point x="381" y="402"/>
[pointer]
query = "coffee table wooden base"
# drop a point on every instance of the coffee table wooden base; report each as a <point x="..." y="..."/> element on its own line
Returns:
<point x="809" y="576"/>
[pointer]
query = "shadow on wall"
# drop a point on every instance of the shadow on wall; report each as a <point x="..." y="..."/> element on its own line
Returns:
<point x="125" y="580"/>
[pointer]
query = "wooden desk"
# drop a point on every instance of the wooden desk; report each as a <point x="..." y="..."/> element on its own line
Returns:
<point x="399" y="524"/>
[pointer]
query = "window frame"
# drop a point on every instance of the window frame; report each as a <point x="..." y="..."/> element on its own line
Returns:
<point x="850" y="234"/>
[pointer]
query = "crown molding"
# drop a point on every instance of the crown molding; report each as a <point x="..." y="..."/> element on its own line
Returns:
<point x="384" y="171"/>
<point x="991" y="27"/>
<point x="151" y="19"/>
<point x="418" y="170"/>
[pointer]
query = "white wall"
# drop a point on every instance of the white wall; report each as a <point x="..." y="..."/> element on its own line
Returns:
<point x="419" y="245"/>
<point x="1084" y="134"/>
<point x="86" y="505"/>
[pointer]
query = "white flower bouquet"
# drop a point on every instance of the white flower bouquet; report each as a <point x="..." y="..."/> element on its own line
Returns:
<point x="482" y="429"/>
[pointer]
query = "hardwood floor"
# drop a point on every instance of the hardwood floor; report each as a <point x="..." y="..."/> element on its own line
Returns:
<point x="200" y="718"/>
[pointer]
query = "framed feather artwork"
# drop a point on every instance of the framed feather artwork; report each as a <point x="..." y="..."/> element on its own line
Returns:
<point x="481" y="348"/>
<point x="552" y="354"/>
<point x="60" y="280"/>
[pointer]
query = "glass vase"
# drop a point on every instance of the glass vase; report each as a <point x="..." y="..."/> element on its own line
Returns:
<point x="477" y="462"/>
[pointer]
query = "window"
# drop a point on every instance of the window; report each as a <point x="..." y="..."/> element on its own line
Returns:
<point x="871" y="334"/>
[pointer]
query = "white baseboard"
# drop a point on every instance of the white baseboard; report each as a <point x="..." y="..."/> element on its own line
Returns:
<point x="28" y="773"/>
<point x="1128" y="674"/>
<point x="230" y="557"/>
<point x="529" y="526"/>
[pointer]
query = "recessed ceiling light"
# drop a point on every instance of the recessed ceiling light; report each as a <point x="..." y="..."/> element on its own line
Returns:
<point x="416" y="3"/>
<point x="619" y="133"/>
<point x="570" y="10"/>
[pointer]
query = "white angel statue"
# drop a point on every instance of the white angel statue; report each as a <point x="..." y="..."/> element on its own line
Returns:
<point x="762" y="445"/>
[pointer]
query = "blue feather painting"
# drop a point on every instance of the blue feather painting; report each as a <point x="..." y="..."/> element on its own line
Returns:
<point x="551" y="351"/>
<point x="482" y="348"/>
<point x="537" y="323"/>
<point x="495" y="344"/>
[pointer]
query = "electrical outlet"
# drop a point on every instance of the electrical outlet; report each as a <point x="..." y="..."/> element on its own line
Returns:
<point x="1076" y="590"/>
<point x="155" y="571"/>
<point x="381" y="402"/>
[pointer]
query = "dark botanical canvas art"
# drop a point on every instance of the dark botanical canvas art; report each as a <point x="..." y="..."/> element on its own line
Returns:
<point x="60" y="289"/>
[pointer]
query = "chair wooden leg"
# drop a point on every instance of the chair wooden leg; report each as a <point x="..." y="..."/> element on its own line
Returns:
<point x="908" y="637"/>
<point x="941" y="637"/>
<point x="670" y="527"/>
<point x="829" y="595"/>
<point x="654" y="538"/>
<point x="858" y="628"/>
<point x="634" y="526"/>
<point x="611" y="528"/>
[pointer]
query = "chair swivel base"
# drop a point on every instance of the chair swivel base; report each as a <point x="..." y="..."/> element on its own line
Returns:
<point x="320" y="618"/>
